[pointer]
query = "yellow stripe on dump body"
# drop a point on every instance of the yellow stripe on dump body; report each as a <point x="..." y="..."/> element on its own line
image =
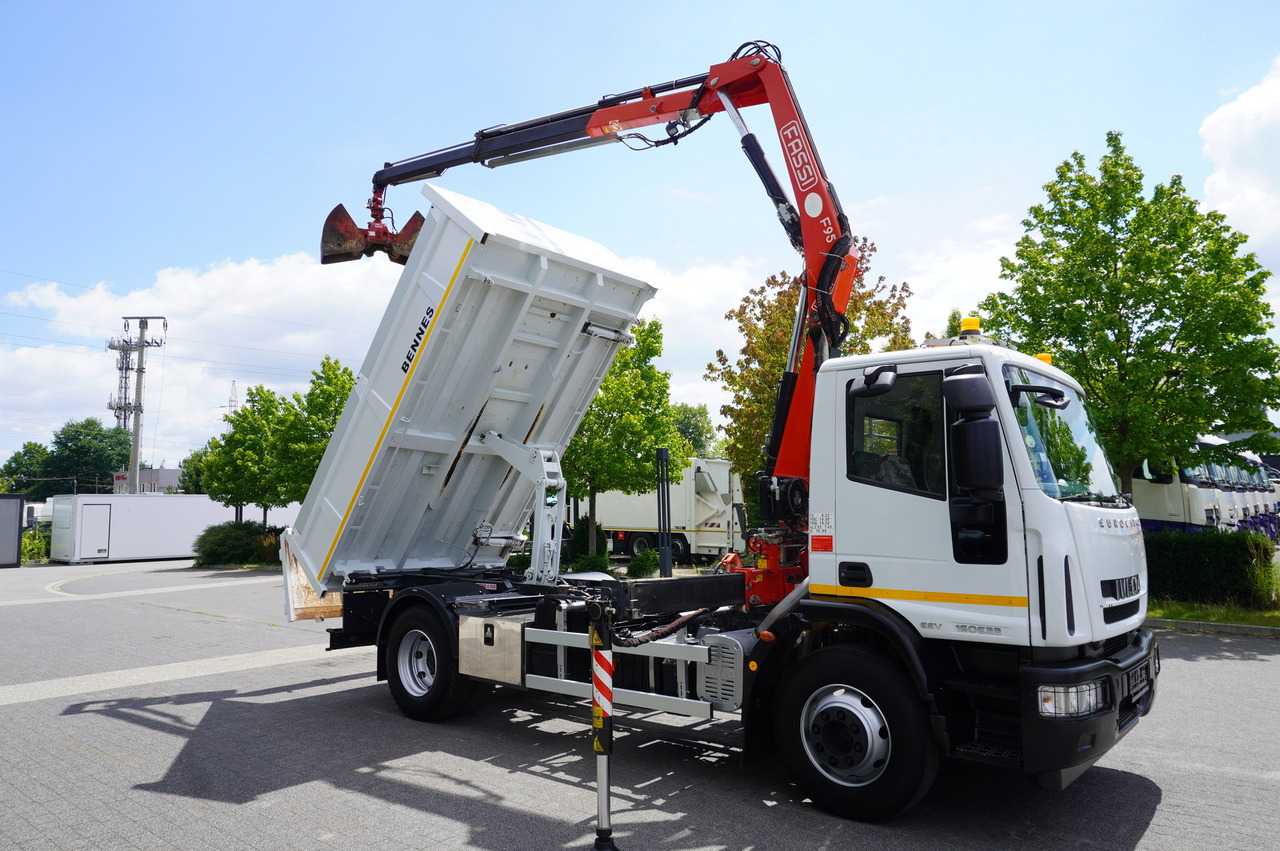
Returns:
<point x="404" y="386"/>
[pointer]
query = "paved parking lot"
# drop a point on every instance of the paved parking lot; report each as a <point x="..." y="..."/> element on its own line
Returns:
<point x="158" y="706"/>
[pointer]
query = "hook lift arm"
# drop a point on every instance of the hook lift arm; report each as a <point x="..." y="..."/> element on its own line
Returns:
<point x="816" y="226"/>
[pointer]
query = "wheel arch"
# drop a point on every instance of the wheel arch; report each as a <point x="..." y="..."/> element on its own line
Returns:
<point x="407" y="599"/>
<point x="870" y="622"/>
<point x="817" y="624"/>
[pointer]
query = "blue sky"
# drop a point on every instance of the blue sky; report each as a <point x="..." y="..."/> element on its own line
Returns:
<point x="178" y="159"/>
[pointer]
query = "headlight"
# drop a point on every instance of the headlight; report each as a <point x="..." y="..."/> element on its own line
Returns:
<point x="1074" y="701"/>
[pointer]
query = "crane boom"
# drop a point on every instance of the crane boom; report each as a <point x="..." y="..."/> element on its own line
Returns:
<point x="814" y="221"/>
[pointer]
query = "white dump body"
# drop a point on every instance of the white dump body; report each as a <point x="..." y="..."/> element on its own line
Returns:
<point x="499" y="324"/>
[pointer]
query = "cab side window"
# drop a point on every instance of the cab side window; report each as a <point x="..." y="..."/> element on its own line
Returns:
<point x="895" y="440"/>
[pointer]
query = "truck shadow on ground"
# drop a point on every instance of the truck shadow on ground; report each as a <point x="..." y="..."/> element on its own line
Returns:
<point x="676" y="783"/>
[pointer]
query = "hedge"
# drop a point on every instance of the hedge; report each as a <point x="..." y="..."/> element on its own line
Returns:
<point x="1212" y="567"/>
<point x="238" y="542"/>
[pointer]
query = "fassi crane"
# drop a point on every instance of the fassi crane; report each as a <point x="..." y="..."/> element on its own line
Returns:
<point x="817" y="228"/>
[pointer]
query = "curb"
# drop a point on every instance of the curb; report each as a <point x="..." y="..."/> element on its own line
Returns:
<point x="1224" y="628"/>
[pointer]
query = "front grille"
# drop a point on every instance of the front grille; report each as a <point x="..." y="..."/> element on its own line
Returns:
<point x="1120" y="589"/>
<point x="1115" y="645"/>
<point x="1124" y="611"/>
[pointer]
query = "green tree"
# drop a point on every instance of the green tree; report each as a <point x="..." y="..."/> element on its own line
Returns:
<point x="191" y="471"/>
<point x="84" y="458"/>
<point x="630" y="418"/>
<point x="765" y="317"/>
<point x="694" y="424"/>
<point x="307" y="423"/>
<point x="952" y="329"/>
<point x="1150" y="303"/>
<point x="26" y="468"/>
<point x="274" y="446"/>
<point x="241" y="467"/>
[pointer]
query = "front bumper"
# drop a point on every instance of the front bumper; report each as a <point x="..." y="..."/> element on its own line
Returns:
<point x="1057" y="750"/>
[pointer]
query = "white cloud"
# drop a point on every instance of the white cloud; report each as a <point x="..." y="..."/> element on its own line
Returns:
<point x="252" y="323"/>
<point x="691" y="304"/>
<point x="1242" y="139"/>
<point x="270" y="322"/>
<point x="958" y="272"/>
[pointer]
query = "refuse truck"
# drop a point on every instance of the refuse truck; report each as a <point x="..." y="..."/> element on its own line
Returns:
<point x="707" y="520"/>
<point x="947" y="569"/>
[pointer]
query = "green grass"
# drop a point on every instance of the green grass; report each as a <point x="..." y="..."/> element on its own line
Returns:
<point x="1211" y="613"/>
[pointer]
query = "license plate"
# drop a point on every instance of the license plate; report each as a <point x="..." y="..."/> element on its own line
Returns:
<point x="1139" y="680"/>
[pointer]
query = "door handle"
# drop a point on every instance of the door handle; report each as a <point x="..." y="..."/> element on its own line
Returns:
<point x="855" y="574"/>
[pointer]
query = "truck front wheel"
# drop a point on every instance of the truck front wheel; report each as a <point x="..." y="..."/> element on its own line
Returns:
<point x="854" y="735"/>
<point x="421" y="671"/>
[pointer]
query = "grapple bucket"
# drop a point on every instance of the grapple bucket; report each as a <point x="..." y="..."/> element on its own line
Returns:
<point x="342" y="239"/>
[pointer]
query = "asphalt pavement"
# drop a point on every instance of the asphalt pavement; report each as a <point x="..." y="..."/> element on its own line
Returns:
<point x="153" y="705"/>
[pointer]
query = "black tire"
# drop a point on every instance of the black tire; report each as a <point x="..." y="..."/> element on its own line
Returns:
<point x="421" y="670"/>
<point x="679" y="550"/>
<point x="854" y="734"/>
<point x="638" y="543"/>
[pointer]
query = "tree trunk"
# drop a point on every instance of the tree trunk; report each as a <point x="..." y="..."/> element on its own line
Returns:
<point x="591" y="521"/>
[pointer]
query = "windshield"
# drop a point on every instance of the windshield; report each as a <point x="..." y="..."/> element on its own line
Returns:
<point x="1065" y="454"/>
<point x="1195" y="475"/>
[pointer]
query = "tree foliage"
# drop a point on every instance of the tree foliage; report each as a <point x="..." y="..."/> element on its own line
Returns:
<point x="191" y="471"/>
<point x="306" y="423"/>
<point x="84" y="457"/>
<point x="25" y="469"/>
<point x="242" y="467"/>
<point x="270" y="454"/>
<point x="952" y="329"/>
<point x="765" y="317"/>
<point x="694" y="424"/>
<point x="1151" y="304"/>
<point x="615" y="446"/>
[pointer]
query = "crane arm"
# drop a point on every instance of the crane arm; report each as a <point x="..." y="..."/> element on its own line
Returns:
<point x="815" y="222"/>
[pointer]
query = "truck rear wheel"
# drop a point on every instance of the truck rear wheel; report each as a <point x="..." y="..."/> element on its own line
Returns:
<point x="854" y="735"/>
<point x="640" y="542"/>
<point x="679" y="549"/>
<point x="421" y="671"/>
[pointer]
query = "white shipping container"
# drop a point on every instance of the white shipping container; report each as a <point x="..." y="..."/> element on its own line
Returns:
<point x="131" y="527"/>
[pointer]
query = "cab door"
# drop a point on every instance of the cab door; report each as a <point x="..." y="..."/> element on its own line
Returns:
<point x="951" y="565"/>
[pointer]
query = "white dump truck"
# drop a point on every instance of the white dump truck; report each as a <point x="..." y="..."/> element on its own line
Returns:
<point x="948" y="568"/>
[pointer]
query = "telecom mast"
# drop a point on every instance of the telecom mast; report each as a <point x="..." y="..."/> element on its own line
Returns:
<point x="127" y="411"/>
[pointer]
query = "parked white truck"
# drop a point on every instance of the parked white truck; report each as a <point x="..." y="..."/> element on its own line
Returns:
<point x="949" y="568"/>
<point x="1176" y="498"/>
<point x="706" y="515"/>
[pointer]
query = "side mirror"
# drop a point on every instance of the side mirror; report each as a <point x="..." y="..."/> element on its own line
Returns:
<point x="1050" y="397"/>
<point x="874" y="381"/>
<point x="977" y="458"/>
<point x="976" y="448"/>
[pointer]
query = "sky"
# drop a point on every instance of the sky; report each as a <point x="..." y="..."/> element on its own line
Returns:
<point x="177" y="159"/>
